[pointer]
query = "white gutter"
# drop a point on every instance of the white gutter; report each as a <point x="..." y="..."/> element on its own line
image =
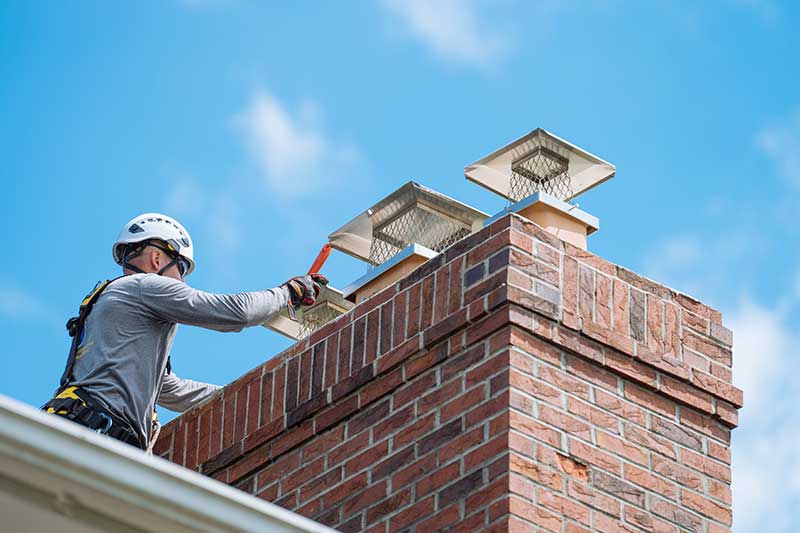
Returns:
<point x="57" y="475"/>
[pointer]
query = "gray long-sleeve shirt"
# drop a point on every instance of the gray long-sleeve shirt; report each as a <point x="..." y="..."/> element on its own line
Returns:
<point x="122" y="359"/>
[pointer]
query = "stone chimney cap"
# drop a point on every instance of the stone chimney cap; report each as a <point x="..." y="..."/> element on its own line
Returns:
<point x="544" y="163"/>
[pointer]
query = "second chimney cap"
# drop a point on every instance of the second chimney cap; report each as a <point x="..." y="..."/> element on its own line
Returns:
<point x="411" y="214"/>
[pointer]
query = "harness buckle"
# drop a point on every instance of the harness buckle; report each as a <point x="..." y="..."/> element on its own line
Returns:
<point x="107" y="418"/>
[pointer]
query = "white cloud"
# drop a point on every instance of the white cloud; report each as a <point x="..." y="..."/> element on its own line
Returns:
<point x="781" y="143"/>
<point x="453" y="29"/>
<point x="292" y="152"/>
<point x="765" y="463"/>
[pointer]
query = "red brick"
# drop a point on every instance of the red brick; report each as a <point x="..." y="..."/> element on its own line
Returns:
<point x="620" y="407"/>
<point x="630" y="368"/>
<point x="686" y="393"/>
<point x="593" y="498"/>
<point x="399" y="318"/>
<point x="300" y="476"/>
<point x="578" y="343"/>
<point x="229" y="407"/>
<point x="563" y="381"/>
<point x="568" y="423"/>
<point x="676" y="472"/>
<point x="718" y="388"/>
<point x="586" y="293"/>
<point x="603" y="300"/>
<point x="371" y="347"/>
<point x="266" y="399"/>
<point x="399" y="355"/>
<point x="686" y="519"/>
<point x="461" y="403"/>
<point x="365" y="498"/>
<point x="597" y="417"/>
<point x="411" y="514"/>
<point x="321" y="483"/>
<point x="536" y="347"/>
<point x="414" y="389"/>
<point x="569" y="294"/>
<point x="413" y="316"/>
<point x="427" y="302"/>
<point x="488" y="248"/>
<point x="706" y="465"/>
<point x="706" y="507"/>
<point x="366" y="459"/>
<point x="535" y="472"/>
<point x="324" y="442"/>
<point x="650" y="400"/>
<point x="538" y="515"/>
<point x="594" y="456"/>
<point x="647" y="480"/>
<point x="413" y="432"/>
<point x="622" y="447"/>
<point x="304" y="379"/>
<point x="414" y="471"/>
<point x="441" y="520"/>
<point x="708" y="348"/>
<point x="331" y="360"/>
<point x="563" y="506"/>
<point x="456" y="277"/>
<point x="268" y="481"/>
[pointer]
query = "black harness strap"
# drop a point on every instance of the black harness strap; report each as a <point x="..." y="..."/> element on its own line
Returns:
<point x="75" y="328"/>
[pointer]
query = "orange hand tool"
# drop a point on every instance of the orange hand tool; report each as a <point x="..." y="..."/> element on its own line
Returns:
<point x="321" y="258"/>
<point x="316" y="266"/>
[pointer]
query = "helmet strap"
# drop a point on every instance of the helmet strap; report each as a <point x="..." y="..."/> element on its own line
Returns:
<point x="138" y="251"/>
<point x="168" y="265"/>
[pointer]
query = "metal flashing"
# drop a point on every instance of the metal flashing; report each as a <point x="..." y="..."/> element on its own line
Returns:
<point x="591" y="222"/>
<point x="413" y="249"/>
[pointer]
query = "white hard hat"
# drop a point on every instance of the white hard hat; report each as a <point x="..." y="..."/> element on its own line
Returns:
<point x="155" y="226"/>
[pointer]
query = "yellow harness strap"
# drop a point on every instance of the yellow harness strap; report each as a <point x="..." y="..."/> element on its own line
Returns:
<point x="68" y="393"/>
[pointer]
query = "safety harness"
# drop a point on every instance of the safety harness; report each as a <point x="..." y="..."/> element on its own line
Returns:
<point x="76" y="404"/>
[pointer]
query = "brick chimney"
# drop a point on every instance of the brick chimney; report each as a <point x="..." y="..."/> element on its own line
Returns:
<point x="514" y="382"/>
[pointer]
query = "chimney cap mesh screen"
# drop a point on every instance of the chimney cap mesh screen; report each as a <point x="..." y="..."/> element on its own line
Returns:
<point x="539" y="162"/>
<point x="418" y="225"/>
<point x="330" y="306"/>
<point x="413" y="214"/>
<point x="317" y="316"/>
<point x="541" y="169"/>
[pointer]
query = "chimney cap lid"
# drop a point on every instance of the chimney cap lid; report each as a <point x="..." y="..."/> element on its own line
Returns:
<point x="355" y="238"/>
<point x="494" y="171"/>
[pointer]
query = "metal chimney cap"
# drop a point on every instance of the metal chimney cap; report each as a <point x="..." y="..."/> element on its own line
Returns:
<point x="579" y="172"/>
<point x="411" y="214"/>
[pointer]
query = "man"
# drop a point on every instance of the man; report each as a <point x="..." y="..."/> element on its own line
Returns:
<point x="119" y="366"/>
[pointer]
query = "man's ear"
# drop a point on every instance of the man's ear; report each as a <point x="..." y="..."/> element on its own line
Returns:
<point x="155" y="259"/>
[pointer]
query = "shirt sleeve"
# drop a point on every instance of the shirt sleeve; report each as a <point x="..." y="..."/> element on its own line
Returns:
<point x="175" y="301"/>
<point x="178" y="394"/>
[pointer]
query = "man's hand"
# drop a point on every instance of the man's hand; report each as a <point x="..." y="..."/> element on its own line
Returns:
<point x="304" y="290"/>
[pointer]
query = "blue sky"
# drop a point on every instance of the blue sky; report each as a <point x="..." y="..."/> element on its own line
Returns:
<point x="263" y="127"/>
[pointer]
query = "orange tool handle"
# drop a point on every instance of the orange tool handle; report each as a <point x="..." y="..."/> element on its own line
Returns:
<point x="321" y="258"/>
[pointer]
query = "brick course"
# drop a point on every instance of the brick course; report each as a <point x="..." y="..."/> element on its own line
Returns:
<point x="512" y="383"/>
